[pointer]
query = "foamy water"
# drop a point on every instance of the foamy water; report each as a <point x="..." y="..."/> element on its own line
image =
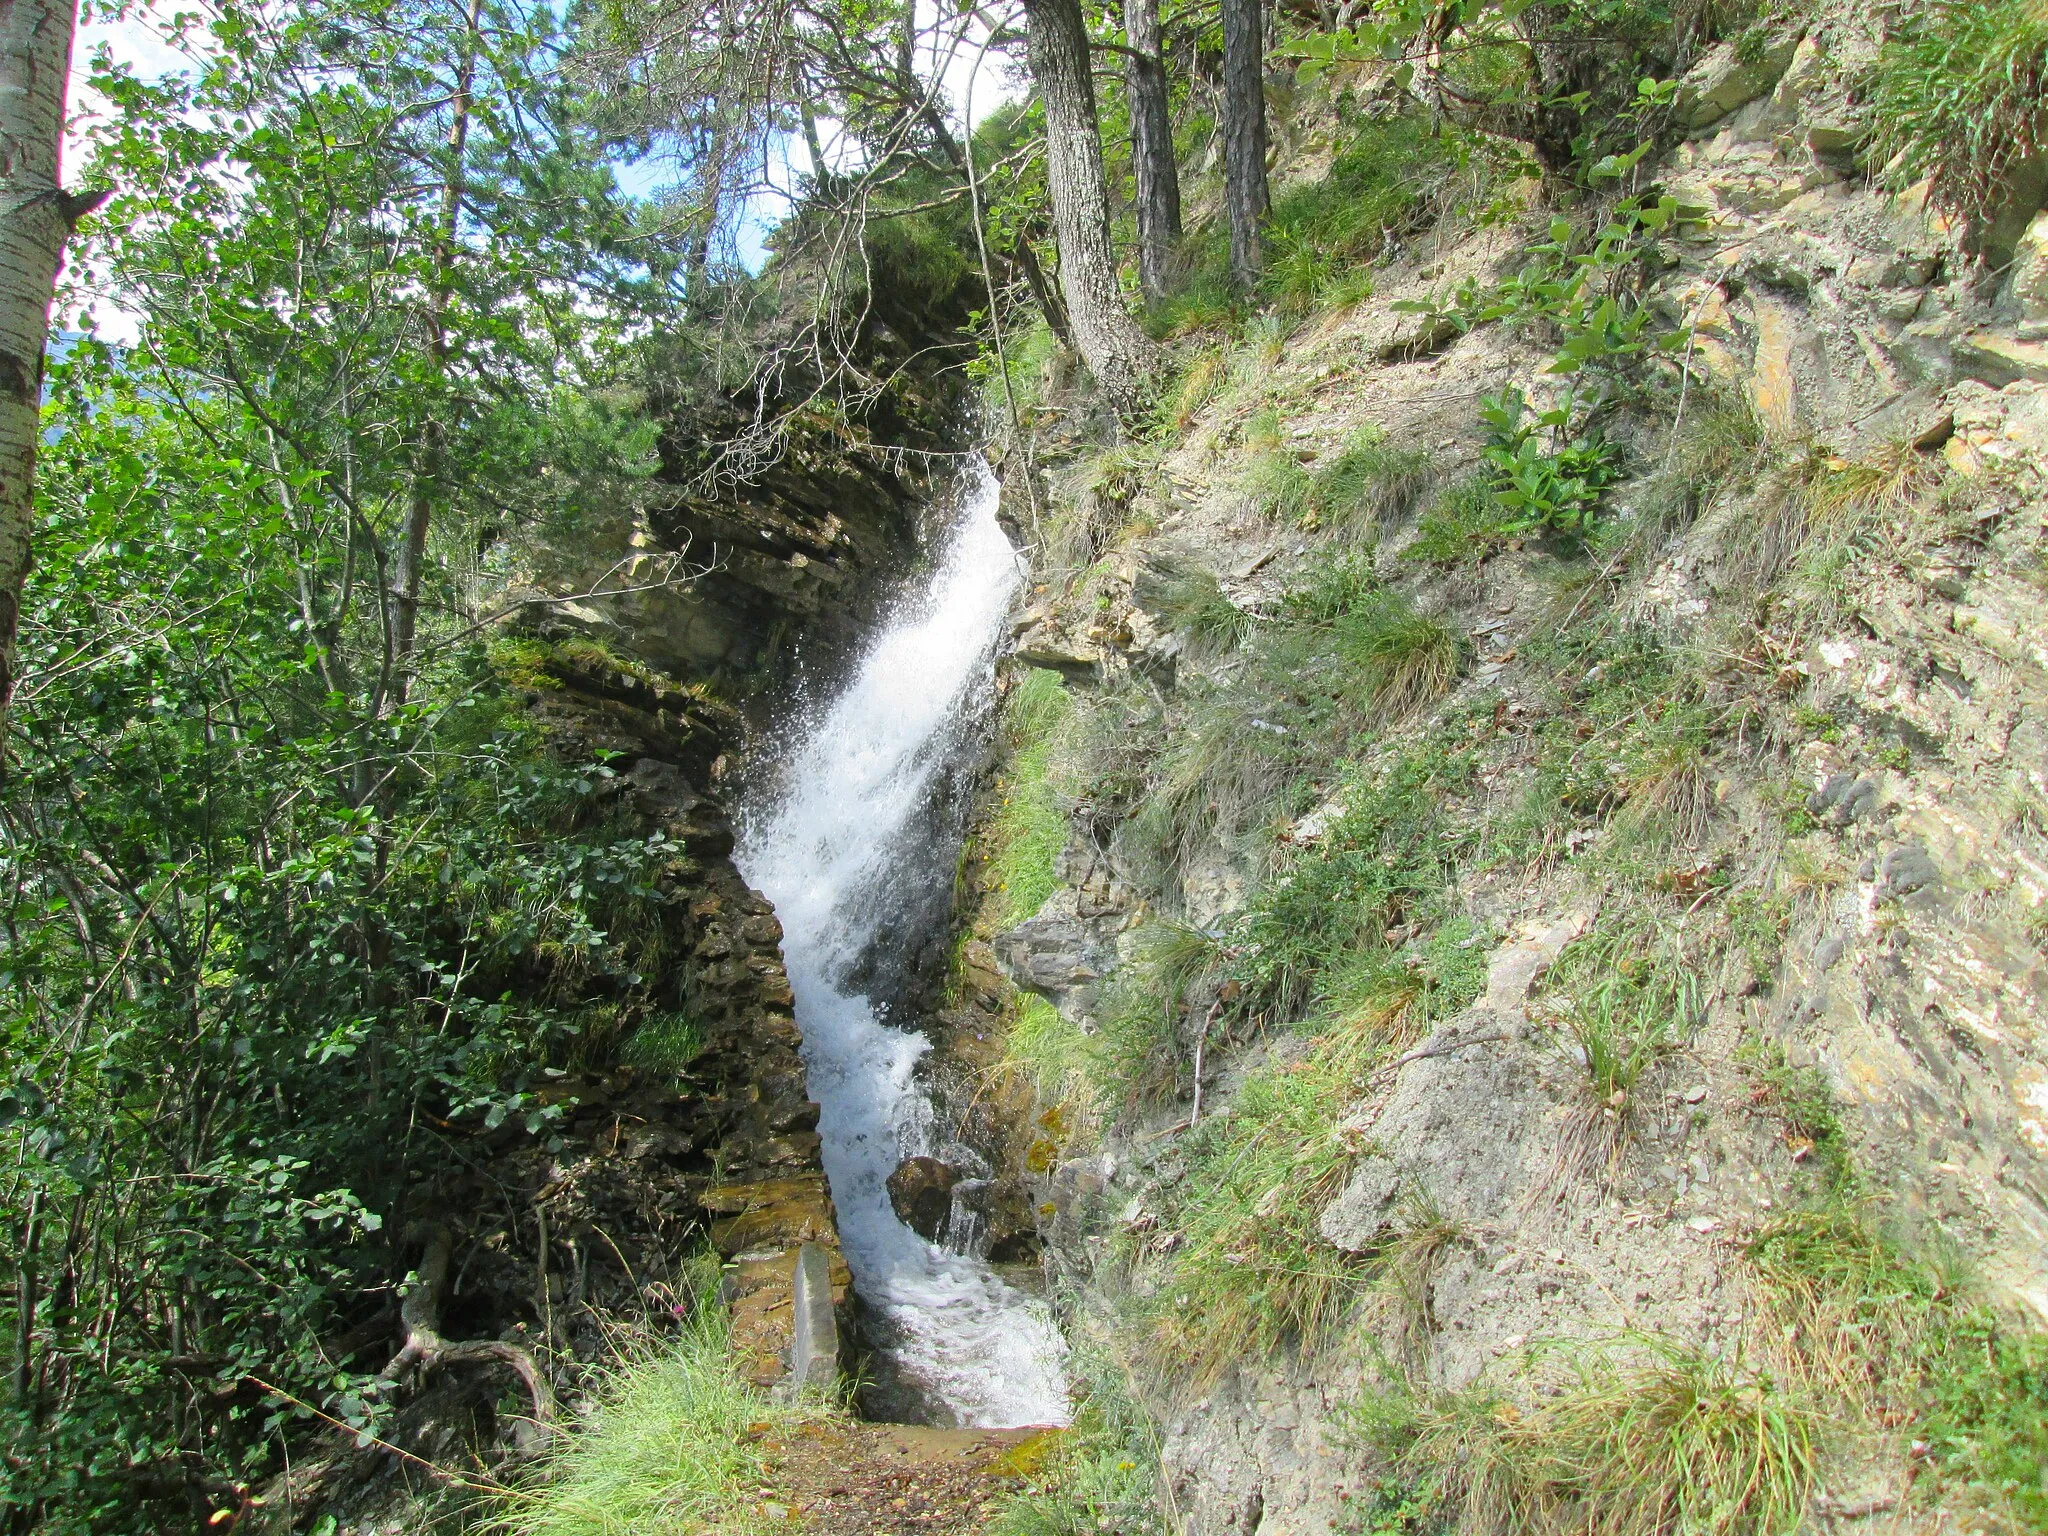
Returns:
<point x="852" y="799"/>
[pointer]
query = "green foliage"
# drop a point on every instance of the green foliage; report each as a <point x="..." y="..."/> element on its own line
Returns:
<point x="1580" y="292"/>
<point x="1549" y="473"/>
<point x="1464" y="525"/>
<point x="1030" y="823"/>
<point x="1805" y="1100"/>
<point x="670" y="1445"/>
<point x="1321" y="234"/>
<point x="268" y="942"/>
<point x="1319" y="928"/>
<point x="1101" y="1476"/>
<point x="1956" y="98"/>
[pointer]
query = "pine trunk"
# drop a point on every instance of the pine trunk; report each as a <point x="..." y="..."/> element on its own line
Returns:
<point x="1117" y="353"/>
<point x="1244" y="135"/>
<point x="35" y="221"/>
<point x="1151" y="147"/>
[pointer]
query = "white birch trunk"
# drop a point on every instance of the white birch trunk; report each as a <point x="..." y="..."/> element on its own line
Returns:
<point x="35" y="221"/>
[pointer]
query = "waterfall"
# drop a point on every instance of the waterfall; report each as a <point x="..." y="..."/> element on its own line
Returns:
<point x="829" y="847"/>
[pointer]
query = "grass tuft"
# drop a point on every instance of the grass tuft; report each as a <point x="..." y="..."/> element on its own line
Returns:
<point x="1956" y="99"/>
<point x="668" y="1447"/>
<point x="1030" y="826"/>
<point x="1650" y="1439"/>
<point x="1400" y="659"/>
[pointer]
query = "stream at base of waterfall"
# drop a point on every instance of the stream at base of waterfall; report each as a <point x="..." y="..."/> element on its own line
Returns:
<point x="828" y="845"/>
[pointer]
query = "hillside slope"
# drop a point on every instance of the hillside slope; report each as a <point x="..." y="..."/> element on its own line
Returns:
<point x="1524" y="935"/>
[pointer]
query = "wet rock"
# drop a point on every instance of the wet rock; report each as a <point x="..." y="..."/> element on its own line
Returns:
<point x="921" y="1190"/>
<point x="1058" y="954"/>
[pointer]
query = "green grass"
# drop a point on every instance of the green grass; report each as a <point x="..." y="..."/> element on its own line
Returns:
<point x="1956" y="98"/>
<point x="1100" y="1476"/>
<point x="1804" y="1099"/>
<point x="1250" y="1271"/>
<point x="1317" y="931"/>
<point x="1648" y="1438"/>
<point x="666" y="1042"/>
<point x="1193" y="602"/>
<point x="1321" y="234"/>
<point x="1056" y="1056"/>
<point x="1030" y="824"/>
<point x="1630" y="994"/>
<point x="667" y="1448"/>
<point x="1370" y="482"/>
<point x="1892" y="1337"/>
<point x="1463" y="526"/>
<point x="1394" y="659"/>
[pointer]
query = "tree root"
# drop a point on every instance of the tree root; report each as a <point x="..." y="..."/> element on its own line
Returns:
<point x="425" y="1350"/>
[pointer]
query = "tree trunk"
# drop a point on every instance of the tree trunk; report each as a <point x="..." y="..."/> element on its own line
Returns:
<point x="1151" y="147"/>
<point x="35" y="221"/>
<point x="1244" y="135"/>
<point x="1049" y="305"/>
<point x="1117" y="353"/>
<point x="410" y="562"/>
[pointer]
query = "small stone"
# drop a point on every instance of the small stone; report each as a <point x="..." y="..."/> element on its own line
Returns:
<point x="1703" y="1224"/>
<point x="1695" y="1093"/>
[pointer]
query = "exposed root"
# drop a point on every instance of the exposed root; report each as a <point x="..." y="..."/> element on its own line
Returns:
<point x="425" y="1350"/>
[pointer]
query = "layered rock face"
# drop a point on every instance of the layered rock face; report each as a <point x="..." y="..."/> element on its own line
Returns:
<point x="1900" y="780"/>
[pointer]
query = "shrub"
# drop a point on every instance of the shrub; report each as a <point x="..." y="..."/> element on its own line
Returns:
<point x="1547" y="470"/>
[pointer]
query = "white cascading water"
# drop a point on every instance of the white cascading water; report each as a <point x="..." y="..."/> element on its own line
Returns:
<point x="849" y="801"/>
